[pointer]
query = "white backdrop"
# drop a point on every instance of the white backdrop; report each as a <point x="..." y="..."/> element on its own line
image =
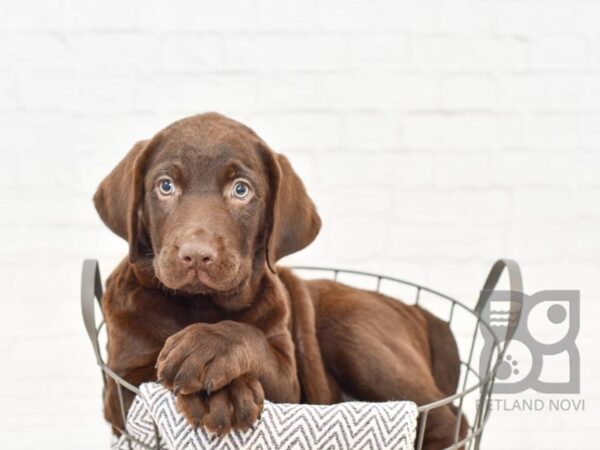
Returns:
<point x="434" y="136"/>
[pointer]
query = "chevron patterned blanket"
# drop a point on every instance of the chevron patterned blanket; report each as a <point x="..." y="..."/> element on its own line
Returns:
<point x="350" y="425"/>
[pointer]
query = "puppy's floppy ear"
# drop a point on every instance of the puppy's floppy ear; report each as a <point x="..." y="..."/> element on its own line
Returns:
<point x="118" y="200"/>
<point x="292" y="219"/>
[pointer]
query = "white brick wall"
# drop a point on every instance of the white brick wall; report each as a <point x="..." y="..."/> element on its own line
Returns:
<point x="435" y="136"/>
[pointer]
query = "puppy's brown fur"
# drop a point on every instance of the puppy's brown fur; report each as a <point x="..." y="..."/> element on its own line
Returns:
<point x="200" y="305"/>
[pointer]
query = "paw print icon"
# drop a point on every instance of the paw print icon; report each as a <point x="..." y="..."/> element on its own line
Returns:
<point x="542" y="354"/>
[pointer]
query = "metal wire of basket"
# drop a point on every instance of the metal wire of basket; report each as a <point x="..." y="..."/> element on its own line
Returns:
<point x="481" y="387"/>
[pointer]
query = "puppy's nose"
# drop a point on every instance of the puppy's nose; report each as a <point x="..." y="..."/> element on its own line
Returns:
<point x="197" y="254"/>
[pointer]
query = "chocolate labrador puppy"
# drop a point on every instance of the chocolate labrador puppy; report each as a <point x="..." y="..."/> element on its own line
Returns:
<point x="200" y="305"/>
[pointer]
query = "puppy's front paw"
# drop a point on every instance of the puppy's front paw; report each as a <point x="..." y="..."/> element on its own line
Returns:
<point x="237" y="406"/>
<point x="203" y="357"/>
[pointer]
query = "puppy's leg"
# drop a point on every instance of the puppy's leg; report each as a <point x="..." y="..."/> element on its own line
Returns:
<point x="372" y="365"/>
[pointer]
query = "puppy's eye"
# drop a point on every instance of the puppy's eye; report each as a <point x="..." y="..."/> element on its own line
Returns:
<point x="241" y="190"/>
<point x="166" y="186"/>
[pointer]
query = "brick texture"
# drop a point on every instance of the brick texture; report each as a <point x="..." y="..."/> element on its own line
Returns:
<point x="434" y="135"/>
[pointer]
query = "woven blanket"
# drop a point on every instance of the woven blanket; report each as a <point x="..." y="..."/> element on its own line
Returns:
<point x="349" y="425"/>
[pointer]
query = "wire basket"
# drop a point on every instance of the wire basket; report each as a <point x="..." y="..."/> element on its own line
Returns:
<point x="471" y="330"/>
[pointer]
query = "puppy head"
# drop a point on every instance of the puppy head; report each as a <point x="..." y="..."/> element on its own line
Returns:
<point x="208" y="204"/>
